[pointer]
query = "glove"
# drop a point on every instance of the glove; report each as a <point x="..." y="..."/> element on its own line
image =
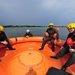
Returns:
<point x="72" y="50"/>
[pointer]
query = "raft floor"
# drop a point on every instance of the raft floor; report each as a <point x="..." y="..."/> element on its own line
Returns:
<point x="9" y="57"/>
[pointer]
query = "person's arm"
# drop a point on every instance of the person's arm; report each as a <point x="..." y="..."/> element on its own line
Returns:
<point x="65" y="44"/>
<point x="25" y="35"/>
<point x="57" y="38"/>
<point x="6" y="39"/>
<point x="31" y="35"/>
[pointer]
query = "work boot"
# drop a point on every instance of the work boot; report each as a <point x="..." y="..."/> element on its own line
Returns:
<point x="52" y="50"/>
<point x="40" y="48"/>
<point x="11" y="48"/>
<point x="53" y="57"/>
<point x="64" y="67"/>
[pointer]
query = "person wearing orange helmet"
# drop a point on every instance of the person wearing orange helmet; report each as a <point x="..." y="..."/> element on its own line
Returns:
<point x="50" y="35"/>
<point x="68" y="47"/>
<point x="3" y="38"/>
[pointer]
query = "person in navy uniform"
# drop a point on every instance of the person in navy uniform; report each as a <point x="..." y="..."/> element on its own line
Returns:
<point x="28" y="33"/>
<point x="68" y="47"/>
<point x="50" y="32"/>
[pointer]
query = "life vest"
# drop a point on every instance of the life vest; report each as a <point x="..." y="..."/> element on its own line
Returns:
<point x="70" y="42"/>
<point x="55" y="36"/>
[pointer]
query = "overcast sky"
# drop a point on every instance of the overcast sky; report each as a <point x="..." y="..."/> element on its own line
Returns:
<point x="37" y="12"/>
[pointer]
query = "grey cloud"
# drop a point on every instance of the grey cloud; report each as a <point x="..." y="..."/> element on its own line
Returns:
<point x="37" y="12"/>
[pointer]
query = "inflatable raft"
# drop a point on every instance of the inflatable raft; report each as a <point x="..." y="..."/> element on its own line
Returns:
<point x="27" y="57"/>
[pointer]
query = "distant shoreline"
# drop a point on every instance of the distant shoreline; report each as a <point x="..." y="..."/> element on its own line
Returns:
<point x="29" y="26"/>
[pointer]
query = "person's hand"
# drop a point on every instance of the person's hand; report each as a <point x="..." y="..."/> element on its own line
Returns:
<point x="27" y="36"/>
<point x="4" y="42"/>
<point x="72" y="50"/>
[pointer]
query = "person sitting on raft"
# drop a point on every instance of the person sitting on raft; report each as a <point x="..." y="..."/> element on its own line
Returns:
<point x="4" y="40"/>
<point x="51" y="35"/>
<point x="28" y="33"/>
<point x="68" y="47"/>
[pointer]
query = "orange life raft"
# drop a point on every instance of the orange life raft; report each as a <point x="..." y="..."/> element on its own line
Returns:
<point x="27" y="55"/>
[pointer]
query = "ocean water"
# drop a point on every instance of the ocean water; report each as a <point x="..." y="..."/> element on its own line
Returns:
<point x="36" y="31"/>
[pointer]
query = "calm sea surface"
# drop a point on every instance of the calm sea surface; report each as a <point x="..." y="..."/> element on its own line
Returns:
<point x="36" y="31"/>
